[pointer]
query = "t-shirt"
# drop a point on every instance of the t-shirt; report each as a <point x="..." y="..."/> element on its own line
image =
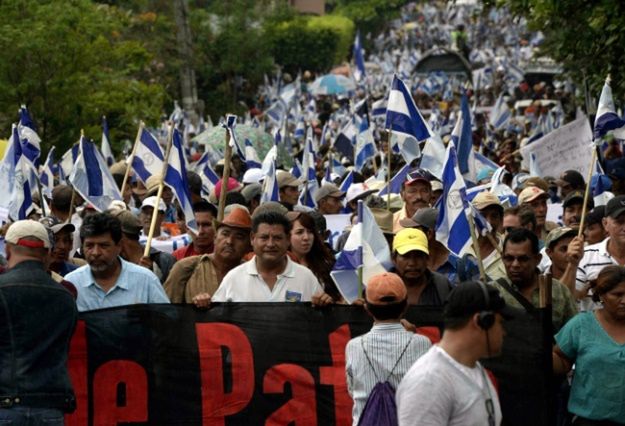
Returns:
<point x="437" y="390"/>
<point x="598" y="388"/>
<point x="244" y="284"/>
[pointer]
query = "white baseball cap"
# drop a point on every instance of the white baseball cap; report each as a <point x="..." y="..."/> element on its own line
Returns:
<point x="22" y="229"/>
<point x="254" y="175"/>
<point x="151" y="202"/>
<point x="358" y="191"/>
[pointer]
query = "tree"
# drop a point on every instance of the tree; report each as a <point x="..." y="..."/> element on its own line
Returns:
<point x="71" y="63"/>
<point x="587" y="38"/>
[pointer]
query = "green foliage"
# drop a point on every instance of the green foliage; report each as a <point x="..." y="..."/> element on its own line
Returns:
<point x="369" y="16"/>
<point x="71" y="64"/>
<point x="586" y="37"/>
<point x="311" y="43"/>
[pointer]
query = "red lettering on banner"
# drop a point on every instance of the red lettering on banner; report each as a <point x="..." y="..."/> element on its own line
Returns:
<point x="301" y="409"/>
<point x="106" y="380"/>
<point x="335" y="376"/>
<point x="77" y="366"/>
<point x="216" y="403"/>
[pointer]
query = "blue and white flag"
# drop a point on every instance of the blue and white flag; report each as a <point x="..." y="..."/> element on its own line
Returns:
<point x="277" y="112"/>
<point x="378" y="108"/>
<point x="176" y="179"/>
<point x="345" y="141"/>
<point x="46" y="177"/>
<point x="600" y="194"/>
<point x="66" y="165"/>
<point x="251" y="156"/>
<point x="148" y="157"/>
<point x="365" y="248"/>
<point x="229" y="124"/>
<point x="105" y="148"/>
<point x="452" y="225"/>
<point x="91" y="177"/>
<point x="300" y="129"/>
<point x="359" y="60"/>
<point x="607" y="119"/>
<point x="207" y="174"/>
<point x="500" y="114"/>
<point x="405" y="121"/>
<point x="365" y="145"/>
<point x="462" y="136"/>
<point x="270" y="185"/>
<point x="433" y="156"/>
<point x="15" y="170"/>
<point x="272" y="155"/>
<point x="347" y="181"/>
<point x="29" y="139"/>
<point x="394" y="186"/>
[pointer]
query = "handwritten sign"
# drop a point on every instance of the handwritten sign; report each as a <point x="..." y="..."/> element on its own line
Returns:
<point x="566" y="148"/>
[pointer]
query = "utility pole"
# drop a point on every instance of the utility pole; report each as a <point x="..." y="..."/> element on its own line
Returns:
<point x="188" y="86"/>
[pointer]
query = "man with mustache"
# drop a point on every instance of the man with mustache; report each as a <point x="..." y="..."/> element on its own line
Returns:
<point x="203" y="241"/>
<point x="572" y="206"/>
<point x="108" y="280"/>
<point x="195" y="279"/>
<point x="536" y="198"/>
<point x="416" y="193"/>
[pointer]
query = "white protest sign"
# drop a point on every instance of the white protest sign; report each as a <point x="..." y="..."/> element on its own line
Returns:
<point x="336" y="224"/>
<point x="566" y="148"/>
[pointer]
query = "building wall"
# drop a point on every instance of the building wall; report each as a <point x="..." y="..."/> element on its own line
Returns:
<point x="316" y="7"/>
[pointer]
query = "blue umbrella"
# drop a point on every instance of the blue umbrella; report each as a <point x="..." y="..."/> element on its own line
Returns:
<point x="331" y="84"/>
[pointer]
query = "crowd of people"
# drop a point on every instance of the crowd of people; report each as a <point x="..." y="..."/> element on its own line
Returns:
<point x="77" y="259"/>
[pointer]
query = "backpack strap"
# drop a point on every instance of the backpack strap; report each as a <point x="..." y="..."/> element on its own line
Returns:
<point x="518" y="296"/>
<point x="362" y="344"/>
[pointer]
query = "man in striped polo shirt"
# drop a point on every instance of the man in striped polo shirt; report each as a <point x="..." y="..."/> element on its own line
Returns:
<point x="592" y="259"/>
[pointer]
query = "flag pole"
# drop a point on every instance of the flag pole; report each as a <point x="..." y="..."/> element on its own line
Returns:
<point x="224" y="178"/>
<point x="476" y="248"/>
<point x="131" y="158"/>
<point x="388" y="169"/>
<point x="159" y="193"/>
<point x="361" y="266"/>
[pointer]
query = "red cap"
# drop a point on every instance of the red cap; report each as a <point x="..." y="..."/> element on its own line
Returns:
<point x="233" y="185"/>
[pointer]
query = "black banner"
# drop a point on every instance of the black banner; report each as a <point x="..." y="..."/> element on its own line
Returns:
<point x="250" y="364"/>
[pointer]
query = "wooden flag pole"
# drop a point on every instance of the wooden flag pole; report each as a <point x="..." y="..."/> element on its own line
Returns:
<point x="224" y="178"/>
<point x="388" y="171"/>
<point x="131" y="158"/>
<point x="159" y="193"/>
<point x="476" y="248"/>
<point x="593" y="158"/>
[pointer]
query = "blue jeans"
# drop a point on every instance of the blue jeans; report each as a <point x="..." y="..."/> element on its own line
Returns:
<point x="25" y="416"/>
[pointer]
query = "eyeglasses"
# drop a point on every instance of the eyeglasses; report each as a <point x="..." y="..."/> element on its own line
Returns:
<point x="521" y="259"/>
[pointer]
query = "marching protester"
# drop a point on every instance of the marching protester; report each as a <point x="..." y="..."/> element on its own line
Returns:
<point x="590" y="260"/>
<point x="557" y="262"/>
<point x="570" y="181"/>
<point x="519" y="288"/>
<point x="271" y="276"/>
<point x="488" y="244"/>
<point x="63" y="233"/>
<point x="410" y="258"/>
<point x="329" y="199"/>
<point x="202" y="241"/>
<point x="572" y="206"/>
<point x="519" y="217"/>
<point x="593" y="342"/>
<point x="39" y="317"/>
<point x="108" y="280"/>
<point x="132" y="251"/>
<point x="594" y="230"/>
<point x="536" y="198"/>
<point x="195" y="279"/>
<point x="382" y="356"/>
<point x="147" y="209"/>
<point x="416" y="193"/>
<point x="448" y="385"/>
<point x="288" y="186"/>
<point x="309" y="250"/>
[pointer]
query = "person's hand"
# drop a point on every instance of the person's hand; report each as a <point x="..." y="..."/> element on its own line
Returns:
<point x="202" y="300"/>
<point x="146" y="262"/>
<point x="575" y="251"/>
<point x="408" y="326"/>
<point x="321" y="299"/>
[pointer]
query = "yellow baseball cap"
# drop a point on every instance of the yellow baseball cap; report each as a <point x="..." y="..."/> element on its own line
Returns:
<point x="410" y="239"/>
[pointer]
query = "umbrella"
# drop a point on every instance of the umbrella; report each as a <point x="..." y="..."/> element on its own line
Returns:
<point x="331" y="84"/>
<point x="215" y="138"/>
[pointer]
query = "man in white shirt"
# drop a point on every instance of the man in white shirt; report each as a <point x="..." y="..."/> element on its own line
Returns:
<point x="447" y="385"/>
<point x="271" y="276"/>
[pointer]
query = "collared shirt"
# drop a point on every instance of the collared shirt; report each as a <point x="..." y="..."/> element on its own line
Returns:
<point x="190" y="277"/>
<point x="383" y="345"/>
<point x="244" y="284"/>
<point x="563" y="304"/>
<point x="596" y="257"/>
<point x="135" y="284"/>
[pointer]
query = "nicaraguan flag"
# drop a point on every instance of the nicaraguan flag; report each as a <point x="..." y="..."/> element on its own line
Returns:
<point x="607" y="119"/>
<point x="229" y="125"/>
<point x="500" y="114"/>
<point x="29" y="139"/>
<point x="600" y="194"/>
<point x="272" y="155"/>
<point x="378" y="108"/>
<point x="405" y="121"/>
<point x="365" y="248"/>
<point x="14" y="179"/>
<point x="176" y="179"/>
<point x="359" y="59"/>
<point x="433" y="156"/>
<point x="452" y="225"/>
<point x="148" y="157"/>
<point x="394" y="186"/>
<point x="251" y="157"/>
<point x="365" y="145"/>
<point x="47" y="174"/>
<point x="270" y="185"/>
<point x="277" y="112"/>
<point x="107" y="152"/>
<point x="207" y="174"/>
<point x="300" y="129"/>
<point x="345" y="141"/>
<point x="91" y="177"/>
<point x="68" y="160"/>
<point x="462" y="136"/>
